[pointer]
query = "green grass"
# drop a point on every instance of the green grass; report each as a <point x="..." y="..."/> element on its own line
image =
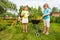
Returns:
<point x="15" y="33"/>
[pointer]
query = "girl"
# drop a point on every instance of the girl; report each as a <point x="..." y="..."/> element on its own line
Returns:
<point x="25" y="14"/>
<point x="46" y="17"/>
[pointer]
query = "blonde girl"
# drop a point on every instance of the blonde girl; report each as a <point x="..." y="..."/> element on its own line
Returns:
<point x="25" y="14"/>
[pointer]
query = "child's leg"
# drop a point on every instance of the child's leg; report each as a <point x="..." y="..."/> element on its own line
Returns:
<point x="48" y="27"/>
<point x="26" y="21"/>
<point x="23" y="27"/>
<point x="26" y="27"/>
<point x="47" y="32"/>
<point x="44" y="30"/>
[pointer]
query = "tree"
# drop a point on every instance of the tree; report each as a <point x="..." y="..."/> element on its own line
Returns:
<point x="20" y="10"/>
<point x="39" y="11"/>
<point x="59" y="10"/>
<point x="6" y="5"/>
<point x="11" y="6"/>
<point x="54" y="9"/>
<point x="2" y="6"/>
<point x="2" y="10"/>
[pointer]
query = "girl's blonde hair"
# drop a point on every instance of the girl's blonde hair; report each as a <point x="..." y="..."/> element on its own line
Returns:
<point x="45" y="5"/>
<point x="24" y="8"/>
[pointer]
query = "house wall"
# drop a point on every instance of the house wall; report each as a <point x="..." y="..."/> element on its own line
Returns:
<point x="56" y="14"/>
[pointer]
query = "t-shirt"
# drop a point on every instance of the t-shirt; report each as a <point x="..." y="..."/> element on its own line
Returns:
<point x="25" y="13"/>
<point x="45" y="12"/>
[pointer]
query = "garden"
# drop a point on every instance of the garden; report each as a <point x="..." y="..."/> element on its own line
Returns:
<point x="14" y="32"/>
<point x="11" y="30"/>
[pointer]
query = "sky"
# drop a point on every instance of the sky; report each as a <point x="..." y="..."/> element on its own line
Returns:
<point x="36" y="3"/>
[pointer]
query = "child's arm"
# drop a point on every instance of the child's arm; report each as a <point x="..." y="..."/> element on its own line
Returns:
<point x="28" y="13"/>
<point x="22" y="13"/>
<point x="46" y="14"/>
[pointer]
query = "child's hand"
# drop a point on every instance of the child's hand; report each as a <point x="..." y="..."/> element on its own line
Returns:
<point x="22" y="15"/>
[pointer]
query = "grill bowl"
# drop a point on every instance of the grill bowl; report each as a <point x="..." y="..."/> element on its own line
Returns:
<point x="35" y="21"/>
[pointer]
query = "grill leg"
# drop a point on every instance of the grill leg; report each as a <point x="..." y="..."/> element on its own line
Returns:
<point x="37" y="34"/>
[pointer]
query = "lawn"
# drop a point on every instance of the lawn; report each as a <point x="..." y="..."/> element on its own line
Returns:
<point x="15" y="32"/>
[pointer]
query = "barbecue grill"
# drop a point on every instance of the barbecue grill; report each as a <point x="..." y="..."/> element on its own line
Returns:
<point x="36" y="22"/>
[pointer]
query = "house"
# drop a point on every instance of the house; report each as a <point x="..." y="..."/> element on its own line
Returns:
<point x="55" y="14"/>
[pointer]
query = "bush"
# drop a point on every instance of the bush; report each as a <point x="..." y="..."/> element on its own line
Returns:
<point x="58" y="19"/>
<point x="2" y="27"/>
<point x="53" y="19"/>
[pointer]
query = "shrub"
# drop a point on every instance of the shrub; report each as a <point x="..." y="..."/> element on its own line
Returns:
<point x="2" y="27"/>
<point x="53" y="19"/>
<point x="58" y="19"/>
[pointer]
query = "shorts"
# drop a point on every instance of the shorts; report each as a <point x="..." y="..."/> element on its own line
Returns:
<point x="24" y="20"/>
<point x="47" y="23"/>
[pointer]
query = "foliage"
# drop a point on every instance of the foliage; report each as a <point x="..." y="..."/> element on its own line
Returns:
<point x="20" y="10"/>
<point x="39" y="11"/>
<point x="58" y="19"/>
<point x="15" y="33"/>
<point x="5" y="5"/>
<point x="55" y="9"/>
<point x="2" y="10"/>
<point x="7" y="13"/>
<point x="55" y="19"/>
